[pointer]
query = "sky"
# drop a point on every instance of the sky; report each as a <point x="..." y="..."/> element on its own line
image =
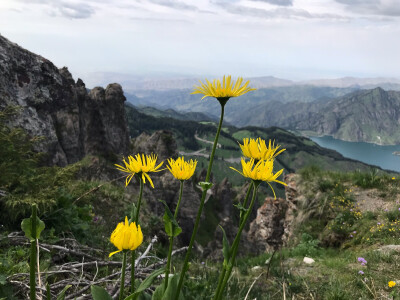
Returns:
<point x="292" y="39"/>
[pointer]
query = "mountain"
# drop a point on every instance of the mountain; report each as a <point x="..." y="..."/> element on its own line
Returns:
<point x="135" y="83"/>
<point x="71" y="121"/>
<point x="365" y="83"/>
<point x="365" y="115"/>
<point x="183" y="101"/>
<point x="170" y="113"/>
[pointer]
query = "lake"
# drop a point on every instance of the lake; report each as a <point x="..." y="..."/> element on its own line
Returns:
<point x="366" y="152"/>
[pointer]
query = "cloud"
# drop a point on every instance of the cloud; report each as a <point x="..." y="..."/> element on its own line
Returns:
<point x="277" y="13"/>
<point x="277" y="2"/>
<point x="64" y="8"/>
<point x="389" y="8"/>
<point x="175" y="5"/>
<point x="75" y="11"/>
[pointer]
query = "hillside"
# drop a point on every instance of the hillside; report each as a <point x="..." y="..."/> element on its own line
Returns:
<point x="347" y="114"/>
<point x="365" y="115"/>
<point x="192" y="137"/>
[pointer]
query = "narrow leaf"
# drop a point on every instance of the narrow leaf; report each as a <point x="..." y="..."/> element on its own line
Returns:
<point x="99" y="293"/>
<point x="171" y="225"/>
<point x="61" y="296"/>
<point x="145" y="284"/>
<point x="172" y="289"/>
<point x="225" y="245"/>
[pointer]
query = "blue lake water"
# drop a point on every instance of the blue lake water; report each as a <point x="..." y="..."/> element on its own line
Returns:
<point x="377" y="155"/>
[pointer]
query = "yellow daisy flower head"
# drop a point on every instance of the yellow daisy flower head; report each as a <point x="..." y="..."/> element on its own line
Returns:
<point x="258" y="149"/>
<point x="223" y="91"/>
<point x="261" y="171"/>
<point x="181" y="169"/>
<point x="126" y="236"/>
<point x="391" y="284"/>
<point x="140" y="164"/>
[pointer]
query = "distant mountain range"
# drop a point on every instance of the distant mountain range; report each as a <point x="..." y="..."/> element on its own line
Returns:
<point x="348" y="113"/>
<point x="136" y="84"/>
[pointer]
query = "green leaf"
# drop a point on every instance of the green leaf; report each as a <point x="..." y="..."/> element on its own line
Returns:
<point x="172" y="288"/>
<point x="26" y="227"/>
<point x="144" y="296"/>
<point x="133" y="213"/>
<point x="99" y="293"/>
<point x="3" y="279"/>
<point x="241" y="207"/>
<point x="205" y="185"/>
<point x="225" y="245"/>
<point x="61" y="296"/>
<point x="171" y="225"/>
<point x="145" y="284"/>
<point x="159" y="292"/>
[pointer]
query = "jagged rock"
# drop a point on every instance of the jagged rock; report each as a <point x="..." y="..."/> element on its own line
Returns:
<point x="267" y="229"/>
<point x="160" y="142"/>
<point x="72" y="122"/>
<point x="272" y="227"/>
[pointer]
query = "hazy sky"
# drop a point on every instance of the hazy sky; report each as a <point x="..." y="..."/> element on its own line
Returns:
<point x="294" y="39"/>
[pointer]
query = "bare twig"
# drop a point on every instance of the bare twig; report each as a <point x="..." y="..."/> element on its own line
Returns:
<point x="248" y="292"/>
<point x="96" y="188"/>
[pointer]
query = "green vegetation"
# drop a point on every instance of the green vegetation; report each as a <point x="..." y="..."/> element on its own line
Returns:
<point x="343" y="216"/>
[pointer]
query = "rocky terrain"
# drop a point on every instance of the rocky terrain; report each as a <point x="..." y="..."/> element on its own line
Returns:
<point x="72" y="122"/>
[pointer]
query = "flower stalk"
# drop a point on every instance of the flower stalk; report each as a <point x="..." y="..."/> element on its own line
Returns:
<point x="32" y="262"/>
<point x="122" y="286"/>
<point x="235" y="246"/>
<point x="171" y="240"/>
<point x="135" y="212"/>
<point x="200" y="210"/>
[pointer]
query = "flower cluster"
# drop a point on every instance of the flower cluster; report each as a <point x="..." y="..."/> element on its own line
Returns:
<point x="258" y="150"/>
<point x="362" y="260"/>
<point x="391" y="284"/>
<point x="261" y="164"/>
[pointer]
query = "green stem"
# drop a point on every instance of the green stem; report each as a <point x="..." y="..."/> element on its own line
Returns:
<point x="235" y="245"/>
<point x="48" y="293"/>
<point x="136" y="220"/>
<point x="168" y="266"/>
<point x="179" y="200"/>
<point x="121" y="290"/>
<point x="139" y="201"/>
<point x="203" y="197"/>
<point x="32" y="278"/>
<point x="171" y="239"/>
<point x="222" y="275"/>
<point x="245" y="201"/>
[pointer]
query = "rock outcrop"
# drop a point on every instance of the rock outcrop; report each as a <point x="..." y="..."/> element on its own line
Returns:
<point x="72" y="122"/>
<point x="272" y="228"/>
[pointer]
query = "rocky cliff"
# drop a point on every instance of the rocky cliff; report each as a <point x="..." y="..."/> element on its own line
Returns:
<point x="72" y="122"/>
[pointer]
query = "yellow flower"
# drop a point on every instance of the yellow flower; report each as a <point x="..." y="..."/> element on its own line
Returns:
<point x="126" y="236"/>
<point x="225" y="90"/>
<point x="262" y="171"/>
<point x="257" y="149"/>
<point x="391" y="284"/>
<point x="140" y="165"/>
<point x="181" y="169"/>
<point x="393" y="178"/>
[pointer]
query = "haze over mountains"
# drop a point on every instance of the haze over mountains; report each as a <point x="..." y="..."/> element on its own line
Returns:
<point x="348" y="113"/>
<point x="133" y="83"/>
